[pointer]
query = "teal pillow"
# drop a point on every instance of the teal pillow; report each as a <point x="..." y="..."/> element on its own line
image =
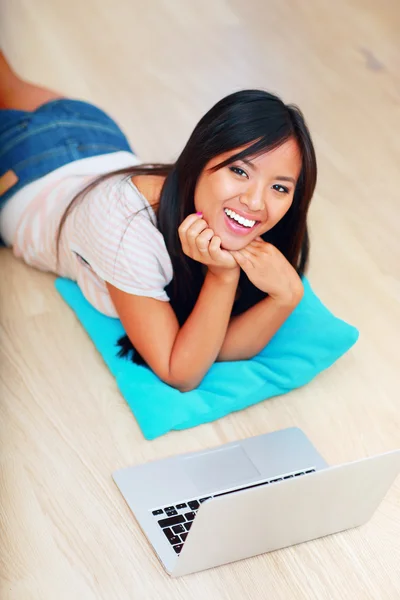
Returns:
<point x="311" y="340"/>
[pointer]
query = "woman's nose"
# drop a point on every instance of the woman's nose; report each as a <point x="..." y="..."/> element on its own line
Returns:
<point x="254" y="201"/>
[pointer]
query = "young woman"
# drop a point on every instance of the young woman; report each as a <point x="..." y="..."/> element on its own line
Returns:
<point x="200" y="259"/>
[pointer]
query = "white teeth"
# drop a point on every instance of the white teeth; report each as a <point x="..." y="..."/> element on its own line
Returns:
<point x="238" y="218"/>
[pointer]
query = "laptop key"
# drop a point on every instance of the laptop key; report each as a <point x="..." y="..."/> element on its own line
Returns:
<point x="178" y="548"/>
<point x="171" y="521"/>
<point x="169" y="533"/>
<point x="178" y="529"/>
<point x="183" y="536"/>
<point x="171" y="513"/>
<point x="183" y="505"/>
<point x="204" y="499"/>
<point x="159" y="511"/>
<point x="190" y="516"/>
<point x="175" y="540"/>
<point x="169" y="508"/>
<point x="188" y="525"/>
<point x="194" y="505"/>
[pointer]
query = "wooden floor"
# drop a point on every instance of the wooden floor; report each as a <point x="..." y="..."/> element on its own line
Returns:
<point x="157" y="67"/>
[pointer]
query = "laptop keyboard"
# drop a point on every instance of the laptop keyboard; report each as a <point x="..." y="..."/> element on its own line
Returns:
<point x="176" y="520"/>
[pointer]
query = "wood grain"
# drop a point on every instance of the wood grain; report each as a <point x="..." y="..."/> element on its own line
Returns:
<point x="157" y="67"/>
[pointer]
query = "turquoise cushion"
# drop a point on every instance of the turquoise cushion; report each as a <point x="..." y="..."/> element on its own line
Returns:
<point x="311" y="340"/>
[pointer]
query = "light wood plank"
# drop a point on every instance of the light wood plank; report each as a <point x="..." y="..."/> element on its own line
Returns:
<point x="157" y="67"/>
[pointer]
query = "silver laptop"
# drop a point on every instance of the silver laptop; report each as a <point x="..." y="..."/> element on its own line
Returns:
<point x="205" y="509"/>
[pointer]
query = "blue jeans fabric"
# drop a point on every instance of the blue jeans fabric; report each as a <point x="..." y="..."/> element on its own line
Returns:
<point x="32" y="144"/>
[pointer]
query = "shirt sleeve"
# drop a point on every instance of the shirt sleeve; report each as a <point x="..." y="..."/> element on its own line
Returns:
<point x="122" y="244"/>
<point x="139" y="267"/>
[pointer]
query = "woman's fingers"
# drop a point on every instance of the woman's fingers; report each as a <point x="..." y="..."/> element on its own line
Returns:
<point x="188" y="231"/>
<point x="251" y="250"/>
<point x="243" y="257"/>
<point x="192" y="235"/>
<point x="202" y="241"/>
<point x="191" y="226"/>
<point x="214" y="247"/>
<point x="258" y="243"/>
<point x="188" y="222"/>
<point x="238" y="257"/>
<point x="249" y="255"/>
<point x="195" y="229"/>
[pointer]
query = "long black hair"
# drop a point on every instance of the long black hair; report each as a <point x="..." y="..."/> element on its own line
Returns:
<point x="262" y="122"/>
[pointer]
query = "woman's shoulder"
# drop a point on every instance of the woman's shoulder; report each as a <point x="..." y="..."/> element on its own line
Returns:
<point x="120" y="211"/>
<point x="115" y="231"/>
<point x="149" y="186"/>
<point x="118" y="198"/>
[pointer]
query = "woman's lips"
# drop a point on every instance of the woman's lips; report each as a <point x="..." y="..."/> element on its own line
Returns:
<point x="236" y="228"/>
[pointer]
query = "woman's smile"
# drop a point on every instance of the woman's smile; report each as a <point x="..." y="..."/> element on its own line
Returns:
<point x="238" y="223"/>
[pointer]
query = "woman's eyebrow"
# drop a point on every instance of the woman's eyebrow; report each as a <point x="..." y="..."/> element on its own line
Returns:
<point x="249" y="163"/>
<point x="278" y="177"/>
<point x="284" y="178"/>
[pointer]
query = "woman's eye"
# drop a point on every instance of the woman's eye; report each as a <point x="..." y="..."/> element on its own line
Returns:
<point x="238" y="171"/>
<point x="280" y="188"/>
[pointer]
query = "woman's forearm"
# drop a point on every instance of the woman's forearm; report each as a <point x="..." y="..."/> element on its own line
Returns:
<point x="251" y="331"/>
<point x="200" y="339"/>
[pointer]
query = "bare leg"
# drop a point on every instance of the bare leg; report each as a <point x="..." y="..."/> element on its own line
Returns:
<point x="19" y="94"/>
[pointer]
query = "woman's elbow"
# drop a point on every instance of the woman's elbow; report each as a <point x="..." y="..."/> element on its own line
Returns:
<point x="182" y="384"/>
<point x="178" y="377"/>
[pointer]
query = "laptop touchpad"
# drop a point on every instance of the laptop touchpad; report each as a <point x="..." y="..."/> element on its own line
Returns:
<point x="218" y="469"/>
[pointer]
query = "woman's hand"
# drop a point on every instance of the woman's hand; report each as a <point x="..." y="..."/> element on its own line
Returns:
<point x="199" y="243"/>
<point x="270" y="271"/>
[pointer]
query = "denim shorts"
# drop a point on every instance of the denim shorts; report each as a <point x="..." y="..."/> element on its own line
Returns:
<point x="32" y="144"/>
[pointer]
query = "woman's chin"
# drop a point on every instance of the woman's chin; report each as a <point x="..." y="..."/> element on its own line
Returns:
<point x="230" y="243"/>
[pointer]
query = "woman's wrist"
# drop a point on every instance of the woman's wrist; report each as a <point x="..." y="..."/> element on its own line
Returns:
<point x="290" y="299"/>
<point x="224" y="276"/>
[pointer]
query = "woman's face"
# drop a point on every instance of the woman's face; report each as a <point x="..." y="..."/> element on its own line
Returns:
<point x="245" y="199"/>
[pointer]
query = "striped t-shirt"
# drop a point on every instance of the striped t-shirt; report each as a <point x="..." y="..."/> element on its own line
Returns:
<point x="110" y="236"/>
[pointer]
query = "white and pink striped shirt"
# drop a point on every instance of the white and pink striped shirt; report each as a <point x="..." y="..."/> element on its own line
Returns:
<point x="110" y="236"/>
